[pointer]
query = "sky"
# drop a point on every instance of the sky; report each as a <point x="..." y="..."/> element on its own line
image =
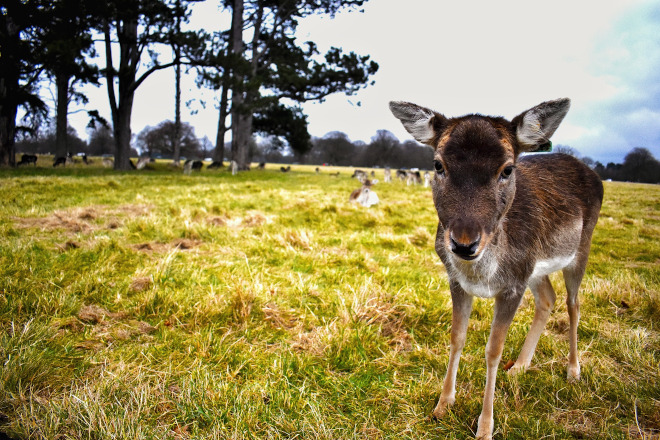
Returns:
<point x="494" y="58"/>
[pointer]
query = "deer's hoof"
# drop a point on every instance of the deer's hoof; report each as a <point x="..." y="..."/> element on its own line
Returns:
<point x="442" y="408"/>
<point x="573" y="373"/>
<point x="485" y="429"/>
<point x="517" y="369"/>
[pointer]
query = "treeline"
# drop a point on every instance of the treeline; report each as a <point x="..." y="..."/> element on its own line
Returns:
<point x="154" y="142"/>
<point x="259" y="71"/>
<point x="639" y="165"/>
<point x="335" y="148"/>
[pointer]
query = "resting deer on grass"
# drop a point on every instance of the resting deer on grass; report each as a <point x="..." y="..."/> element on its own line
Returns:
<point x="506" y="222"/>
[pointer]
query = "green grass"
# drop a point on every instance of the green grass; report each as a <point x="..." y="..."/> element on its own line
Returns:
<point x="151" y="305"/>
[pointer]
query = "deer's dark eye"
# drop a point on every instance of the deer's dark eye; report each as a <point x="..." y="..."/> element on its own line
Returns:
<point x="506" y="172"/>
<point x="438" y="167"/>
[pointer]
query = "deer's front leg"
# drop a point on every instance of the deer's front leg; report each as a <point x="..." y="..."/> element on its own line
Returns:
<point x="505" y="309"/>
<point x="461" y="308"/>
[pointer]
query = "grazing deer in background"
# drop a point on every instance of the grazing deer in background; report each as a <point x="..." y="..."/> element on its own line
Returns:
<point x="413" y="177"/>
<point x="427" y="179"/>
<point x="506" y="223"/>
<point x="359" y="175"/>
<point x="365" y="196"/>
<point x="28" y="158"/>
<point x="59" y="161"/>
<point x="142" y="162"/>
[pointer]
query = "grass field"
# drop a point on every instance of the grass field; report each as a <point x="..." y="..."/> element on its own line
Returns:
<point x="155" y="305"/>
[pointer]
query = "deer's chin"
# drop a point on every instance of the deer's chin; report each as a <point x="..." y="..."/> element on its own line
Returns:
<point x="466" y="259"/>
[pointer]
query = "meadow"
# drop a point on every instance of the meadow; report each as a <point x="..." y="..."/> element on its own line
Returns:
<point x="155" y="305"/>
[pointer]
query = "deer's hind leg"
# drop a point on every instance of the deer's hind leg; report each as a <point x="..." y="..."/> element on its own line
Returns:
<point x="573" y="278"/>
<point x="544" y="301"/>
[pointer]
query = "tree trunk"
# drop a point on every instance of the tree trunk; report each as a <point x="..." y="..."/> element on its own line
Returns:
<point x="8" y="110"/>
<point x="240" y="129"/>
<point x="122" y="108"/>
<point x="176" y="159"/>
<point x="219" y="151"/>
<point x="9" y="86"/>
<point x="7" y="131"/>
<point x="62" y="84"/>
<point x="241" y="134"/>
<point x="122" y="131"/>
<point x="242" y="100"/>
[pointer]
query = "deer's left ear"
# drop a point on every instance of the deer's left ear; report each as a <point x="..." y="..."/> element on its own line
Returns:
<point x="535" y="126"/>
<point x="423" y="124"/>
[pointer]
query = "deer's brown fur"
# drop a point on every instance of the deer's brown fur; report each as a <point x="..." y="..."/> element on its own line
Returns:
<point x="505" y="223"/>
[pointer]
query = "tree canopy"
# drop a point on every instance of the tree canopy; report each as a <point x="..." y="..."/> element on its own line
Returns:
<point x="272" y="73"/>
<point x="161" y="141"/>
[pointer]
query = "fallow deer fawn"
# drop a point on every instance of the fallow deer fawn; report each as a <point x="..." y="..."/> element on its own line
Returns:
<point x="506" y="223"/>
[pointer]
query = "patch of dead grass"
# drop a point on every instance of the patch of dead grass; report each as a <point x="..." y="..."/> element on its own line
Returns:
<point x="391" y="319"/>
<point x="93" y="314"/>
<point x="315" y="341"/>
<point x="105" y="326"/>
<point x="296" y="239"/>
<point x="250" y="220"/>
<point x="277" y="317"/>
<point x="82" y="220"/>
<point x="580" y="423"/>
<point x="140" y="284"/>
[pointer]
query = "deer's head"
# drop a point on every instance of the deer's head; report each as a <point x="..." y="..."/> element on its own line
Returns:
<point x="475" y="166"/>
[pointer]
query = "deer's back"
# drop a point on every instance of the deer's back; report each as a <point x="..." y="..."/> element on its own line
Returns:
<point x="555" y="195"/>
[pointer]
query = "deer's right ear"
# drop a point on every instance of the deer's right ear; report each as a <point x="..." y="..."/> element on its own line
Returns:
<point x="535" y="126"/>
<point x="423" y="124"/>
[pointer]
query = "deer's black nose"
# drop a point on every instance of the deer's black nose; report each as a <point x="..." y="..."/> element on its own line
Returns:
<point x="466" y="252"/>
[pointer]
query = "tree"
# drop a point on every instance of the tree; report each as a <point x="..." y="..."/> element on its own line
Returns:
<point x="338" y="149"/>
<point x="273" y="72"/>
<point x="163" y="139"/>
<point x="565" y="149"/>
<point x="214" y="71"/>
<point x="21" y="26"/>
<point x="287" y="122"/>
<point x="67" y="44"/>
<point x="588" y="161"/>
<point x="241" y="113"/>
<point x="46" y="143"/>
<point x="101" y="141"/>
<point x="639" y="165"/>
<point x="139" y="27"/>
<point x="382" y="150"/>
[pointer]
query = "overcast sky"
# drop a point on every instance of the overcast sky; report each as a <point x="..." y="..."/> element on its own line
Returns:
<point x="495" y="58"/>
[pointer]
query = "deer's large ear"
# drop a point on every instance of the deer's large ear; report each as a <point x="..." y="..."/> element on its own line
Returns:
<point x="423" y="124"/>
<point x="534" y="127"/>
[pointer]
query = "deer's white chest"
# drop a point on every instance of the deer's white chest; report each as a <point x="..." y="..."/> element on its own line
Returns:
<point x="478" y="278"/>
<point x="482" y="279"/>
